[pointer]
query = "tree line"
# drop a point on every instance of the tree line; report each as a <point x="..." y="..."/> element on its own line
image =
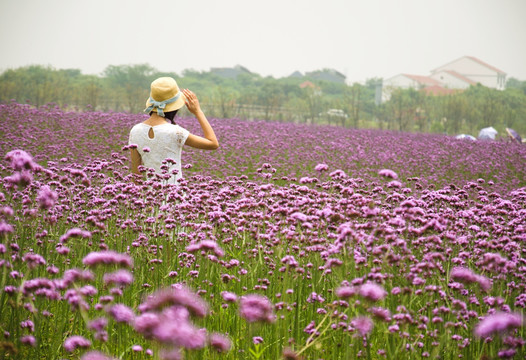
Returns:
<point x="299" y="99"/>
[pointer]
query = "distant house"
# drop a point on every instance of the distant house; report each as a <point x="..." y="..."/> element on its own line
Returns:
<point x="477" y="71"/>
<point x="230" y="73"/>
<point x="454" y="76"/>
<point x="407" y="81"/>
<point x="308" y="84"/>
<point x="452" y="80"/>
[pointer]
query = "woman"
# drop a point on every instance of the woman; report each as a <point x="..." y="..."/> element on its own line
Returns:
<point x="155" y="140"/>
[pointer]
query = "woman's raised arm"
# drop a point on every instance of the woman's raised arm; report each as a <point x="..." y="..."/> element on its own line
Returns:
<point x="209" y="141"/>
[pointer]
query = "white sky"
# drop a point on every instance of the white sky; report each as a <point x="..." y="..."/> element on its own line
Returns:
<point x="360" y="38"/>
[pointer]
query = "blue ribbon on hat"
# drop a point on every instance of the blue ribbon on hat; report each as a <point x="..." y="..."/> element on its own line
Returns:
<point x="160" y="105"/>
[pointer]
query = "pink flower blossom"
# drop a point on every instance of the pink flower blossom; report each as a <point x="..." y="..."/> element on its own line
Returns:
<point x="256" y="308"/>
<point x="107" y="258"/>
<point x="372" y="291"/>
<point x="498" y="323"/>
<point x="73" y="342"/>
<point x="363" y="324"/>
<point x="388" y="173"/>
<point x="220" y="342"/>
<point x="121" y="313"/>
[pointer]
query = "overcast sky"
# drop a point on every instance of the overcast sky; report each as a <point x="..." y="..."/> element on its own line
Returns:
<point x="360" y="38"/>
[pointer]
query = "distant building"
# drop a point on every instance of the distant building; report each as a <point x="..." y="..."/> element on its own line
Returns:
<point x="408" y="81"/>
<point x="230" y="73"/>
<point x="454" y="76"/>
<point x="452" y="80"/>
<point x="308" y="84"/>
<point x="476" y="71"/>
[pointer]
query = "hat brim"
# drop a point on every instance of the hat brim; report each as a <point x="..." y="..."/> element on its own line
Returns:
<point x="176" y="105"/>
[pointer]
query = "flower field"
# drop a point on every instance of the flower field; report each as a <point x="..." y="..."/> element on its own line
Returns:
<point x="288" y="242"/>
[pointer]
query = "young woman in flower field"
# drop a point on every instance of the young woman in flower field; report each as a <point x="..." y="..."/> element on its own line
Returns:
<point x="157" y="144"/>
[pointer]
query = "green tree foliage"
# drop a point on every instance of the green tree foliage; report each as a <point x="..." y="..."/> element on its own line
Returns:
<point x="250" y="96"/>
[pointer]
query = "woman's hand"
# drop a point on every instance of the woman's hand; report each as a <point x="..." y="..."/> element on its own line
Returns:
<point x="191" y="101"/>
<point x="209" y="141"/>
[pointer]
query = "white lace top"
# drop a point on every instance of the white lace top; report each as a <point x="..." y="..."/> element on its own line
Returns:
<point x="167" y="142"/>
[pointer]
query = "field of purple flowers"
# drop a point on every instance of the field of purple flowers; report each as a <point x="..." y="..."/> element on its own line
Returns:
<point x="290" y="241"/>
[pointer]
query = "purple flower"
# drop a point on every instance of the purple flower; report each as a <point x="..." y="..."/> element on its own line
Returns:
<point x="121" y="313"/>
<point x="28" y="340"/>
<point x="299" y="216"/>
<point x="137" y="348"/>
<point x="33" y="260"/>
<point x="256" y="308"/>
<point x="75" y="275"/>
<point x="32" y="285"/>
<point x="28" y="324"/>
<point x="381" y="313"/>
<point x="206" y="245"/>
<point x="363" y="324"/>
<point x="175" y="329"/>
<point x="120" y="277"/>
<point x="178" y="295"/>
<point x="171" y="354"/>
<point x="98" y="324"/>
<point x="372" y="291"/>
<point x="146" y="323"/>
<point x="498" y="323"/>
<point x="388" y="173"/>
<point x="257" y="340"/>
<point x="88" y="290"/>
<point x="46" y="197"/>
<point x="321" y="167"/>
<point x="107" y="258"/>
<point x="220" y="342"/>
<point x="75" y="233"/>
<point x="345" y="292"/>
<point x="21" y="160"/>
<point x="229" y="296"/>
<point x="95" y="355"/>
<point x="507" y="354"/>
<point x="73" y="342"/>
<point x="466" y="276"/>
<point x="5" y="228"/>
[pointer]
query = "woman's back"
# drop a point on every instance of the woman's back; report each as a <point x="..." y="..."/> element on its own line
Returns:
<point x="157" y="143"/>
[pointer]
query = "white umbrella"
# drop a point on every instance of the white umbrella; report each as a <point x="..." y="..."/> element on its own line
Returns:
<point x="488" y="133"/>
<point x="465" y="137"/>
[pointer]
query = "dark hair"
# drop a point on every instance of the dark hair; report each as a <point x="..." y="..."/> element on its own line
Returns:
<point x="170" y="115"/>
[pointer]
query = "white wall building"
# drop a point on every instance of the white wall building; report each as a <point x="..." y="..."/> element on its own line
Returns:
<point x="459" y="74"/>
<point x="407" y="81"/>
<point x="452" y="80"/>
<point x="477" y="71"/>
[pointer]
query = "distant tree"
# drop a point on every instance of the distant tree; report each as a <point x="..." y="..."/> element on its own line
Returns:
<point x="353" y="103"/>
<point x="132" y="82"/>
<point x="514" y="83"/>
<point x="271" y="97"/>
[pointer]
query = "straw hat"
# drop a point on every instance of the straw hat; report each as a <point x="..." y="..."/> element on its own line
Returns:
<point x="165" y="96"/>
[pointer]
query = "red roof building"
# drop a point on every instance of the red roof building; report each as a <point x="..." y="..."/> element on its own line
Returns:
<point x="454" y="76"/>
